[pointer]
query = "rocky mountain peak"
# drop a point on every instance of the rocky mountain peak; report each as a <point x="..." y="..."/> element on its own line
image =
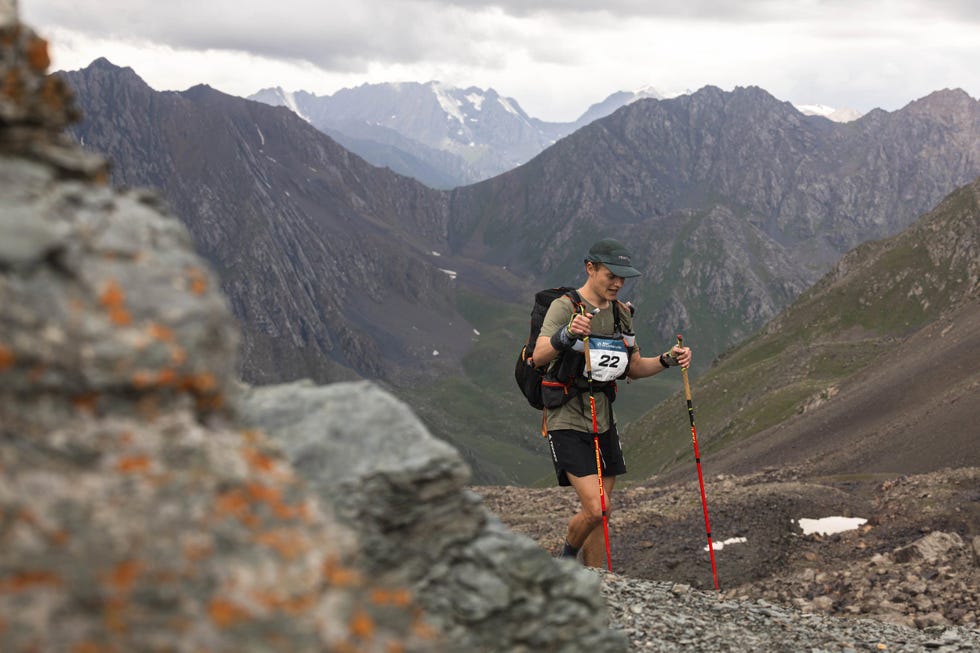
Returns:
<point x="944" y="100"/>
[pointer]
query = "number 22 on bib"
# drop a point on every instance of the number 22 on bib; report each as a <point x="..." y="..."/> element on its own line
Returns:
<point x="609" y="358"/>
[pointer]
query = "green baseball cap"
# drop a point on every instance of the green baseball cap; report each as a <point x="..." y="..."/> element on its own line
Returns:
<point x="614" y="256"/>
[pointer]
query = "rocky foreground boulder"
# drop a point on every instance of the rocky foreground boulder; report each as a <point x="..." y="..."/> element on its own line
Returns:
<point x="139" y="513"/>
<point x="404" y="493"/>
<point x="135" y="515"/>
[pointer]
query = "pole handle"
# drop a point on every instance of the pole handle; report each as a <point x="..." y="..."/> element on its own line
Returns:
<point x="585" y="343"/>
<point x="687" y="383"/>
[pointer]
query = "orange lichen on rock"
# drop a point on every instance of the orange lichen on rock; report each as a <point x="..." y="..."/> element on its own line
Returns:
<point x="24" y="580"/>
<point x="225" y="613"/>
<point x="197" y="280"/>
<point x="56" y="538"/>
<point x="178" y="355"/>
<point x="338" y="575"/>
<point x="13" y="85"/>
<point x="87" y="401"/>
<point x="235" y="504"/>
<point x="37" y="56"/>
<point x="397" y="597"/>
<point x="265" y="493"/>
<point x="122" y="577"/>
<point x="113" y="299"/>
<point x="272" y="497"/>
<point x="289" y="543"/>
<point x="167" y="377"/>
<point x="6" y="358"/>
<point x="200" y="383"/>
<point x="292" y="605"/>
<point x="114" y="615"/>
<point x="258" y="460"/>
<point x="133" y="464"/>
<point x="142" y="379"/>
<point x="212" y="403"/>
<point x="160" y="332"/>
<point x="362" y="625"/>
<point x="424" y="630"/>
<point x="197" y="551"/>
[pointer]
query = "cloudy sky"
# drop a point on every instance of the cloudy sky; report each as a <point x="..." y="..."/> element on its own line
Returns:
<point x="555" y="57"/>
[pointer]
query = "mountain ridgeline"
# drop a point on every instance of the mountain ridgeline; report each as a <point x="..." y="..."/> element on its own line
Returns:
<point x="303" y="233"/>
<point x="733" y="202"/>
<point x="441" y="135"/>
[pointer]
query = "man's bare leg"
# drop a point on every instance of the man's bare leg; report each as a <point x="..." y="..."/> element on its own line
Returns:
<point x="585" y="527"/>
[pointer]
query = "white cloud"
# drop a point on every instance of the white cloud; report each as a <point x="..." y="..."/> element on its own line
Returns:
<point x="555" y="57"/>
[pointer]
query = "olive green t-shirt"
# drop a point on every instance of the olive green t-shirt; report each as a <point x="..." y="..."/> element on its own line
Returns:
<point x="577" y="415"/>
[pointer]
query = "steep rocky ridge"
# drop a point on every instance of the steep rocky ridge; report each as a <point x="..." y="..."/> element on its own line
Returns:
<point x="311" y="243"/>
<point x="681" y="179"/>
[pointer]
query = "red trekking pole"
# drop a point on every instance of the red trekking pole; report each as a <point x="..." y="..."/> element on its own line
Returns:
<point x="697" y="459"/>
<point x="598" y="455"/>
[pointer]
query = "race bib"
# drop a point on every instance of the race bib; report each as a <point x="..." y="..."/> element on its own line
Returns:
<point x="609" y="358"/>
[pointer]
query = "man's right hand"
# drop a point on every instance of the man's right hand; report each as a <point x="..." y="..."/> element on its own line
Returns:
<point x="581" y="325"/>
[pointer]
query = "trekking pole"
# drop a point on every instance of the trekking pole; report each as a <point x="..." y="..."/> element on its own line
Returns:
<point x="697" y="459"/>
<point x="598" y="455"/>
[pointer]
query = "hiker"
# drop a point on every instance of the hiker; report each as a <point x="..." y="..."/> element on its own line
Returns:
<point x="613" y="355"/>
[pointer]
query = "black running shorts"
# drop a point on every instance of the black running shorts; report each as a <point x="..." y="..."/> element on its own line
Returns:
<point x="573" y="452"/>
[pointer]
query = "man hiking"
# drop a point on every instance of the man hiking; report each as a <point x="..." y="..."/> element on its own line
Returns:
<point x="571" y="327"/>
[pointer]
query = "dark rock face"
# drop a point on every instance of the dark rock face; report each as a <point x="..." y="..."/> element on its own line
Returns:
<point x="734" y="202"/>
<point x="316" y="250"/>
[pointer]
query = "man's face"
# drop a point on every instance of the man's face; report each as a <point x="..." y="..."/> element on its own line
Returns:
<point x="606" y="284"/>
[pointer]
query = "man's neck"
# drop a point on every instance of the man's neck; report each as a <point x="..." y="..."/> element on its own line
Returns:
<point x="594" y="298"/>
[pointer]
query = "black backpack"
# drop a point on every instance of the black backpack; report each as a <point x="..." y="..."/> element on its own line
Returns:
<point x="527" y="375"/>
<point x="538" y="388"/>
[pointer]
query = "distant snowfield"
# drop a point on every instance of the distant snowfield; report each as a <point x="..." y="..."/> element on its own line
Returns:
<point x="830" y="525"/>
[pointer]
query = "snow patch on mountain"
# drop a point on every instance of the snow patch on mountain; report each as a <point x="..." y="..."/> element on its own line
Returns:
<point x="837" y="115"/>
<point x="448" y="103"/>
<point x="289" y="99"/>
<point x="505" y="103"/>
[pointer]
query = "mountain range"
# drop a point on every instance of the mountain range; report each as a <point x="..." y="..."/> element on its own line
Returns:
<point x="442" y="135"/>
<point x="446" y="136"/>
<point x="734" y="203"/>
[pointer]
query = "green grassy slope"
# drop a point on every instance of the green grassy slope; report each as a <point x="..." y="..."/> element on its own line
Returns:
<point x="878" y="295"/>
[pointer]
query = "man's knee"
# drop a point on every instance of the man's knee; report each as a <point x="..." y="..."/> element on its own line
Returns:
<point x="593" y="510"/>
